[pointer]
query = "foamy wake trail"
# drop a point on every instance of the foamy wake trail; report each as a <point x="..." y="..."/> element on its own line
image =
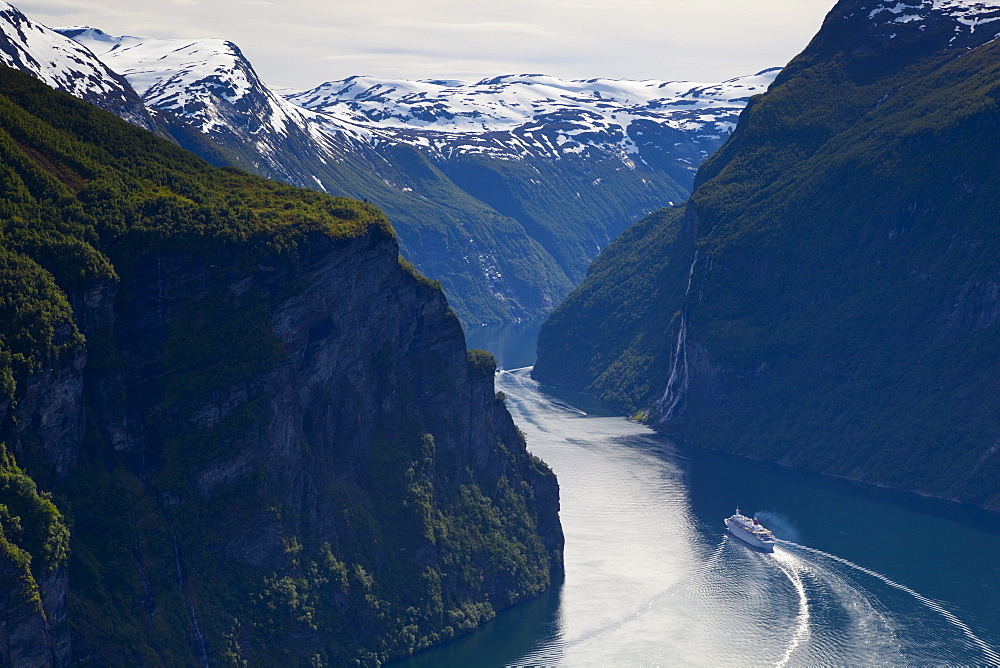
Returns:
<point x="992" y="656"/>
<point x="530" y="391"/>
<point x="793" y="569"/>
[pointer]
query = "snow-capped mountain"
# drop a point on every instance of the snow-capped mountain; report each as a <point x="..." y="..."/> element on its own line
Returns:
<point x="503" y="190"/>
<point x="516" y="115"/>
<point x="561" y="167"/>
<point x="210" y="84"/>
<point x="481" y="257"/>
<point x="66" y="65"/>
<point x="181" y="76"/>
<point x="617" y="140"/>
<point x="552" y="153"/>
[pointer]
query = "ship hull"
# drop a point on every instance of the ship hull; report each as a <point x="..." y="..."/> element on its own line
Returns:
<point x="742" y="534"/>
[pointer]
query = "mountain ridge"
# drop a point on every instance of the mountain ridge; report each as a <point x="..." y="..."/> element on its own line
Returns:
<point x="507" y="238"/>
<point x="828" y="289"/>
<point x="264" y="437"/>
<point x="65" y="65"/>
<point x="440" y="114"/>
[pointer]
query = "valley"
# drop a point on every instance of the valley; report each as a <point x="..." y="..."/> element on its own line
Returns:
<point x="826" y="298"/>
<point x="503" y="190"/>
<point x="860" y="574"/>
<point x="468" y="369"/>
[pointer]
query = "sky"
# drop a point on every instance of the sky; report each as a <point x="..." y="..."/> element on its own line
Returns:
<point x="302" y="43"/>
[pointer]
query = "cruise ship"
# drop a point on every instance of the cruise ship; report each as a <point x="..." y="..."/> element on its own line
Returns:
<point x="750" y="531"/>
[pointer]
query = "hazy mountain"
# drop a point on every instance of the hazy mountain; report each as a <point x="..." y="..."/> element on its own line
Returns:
<point x="570" y="160"/>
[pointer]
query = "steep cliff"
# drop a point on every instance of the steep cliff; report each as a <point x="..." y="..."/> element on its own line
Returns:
<point x="840" y="312"/>
<point x="261" y="425"/>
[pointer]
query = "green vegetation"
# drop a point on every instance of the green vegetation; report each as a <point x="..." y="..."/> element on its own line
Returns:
<point x="82" y="195"/>
<point x="121" y="567"/>
<point x="843" y="309"/>
<point x="491" y="269"/>
<point x="482" y="362"/>
<point x="34" y="536"/>
<point x="36" y="322"/>
<point x="302" y="552"/>
<point x="599" y="340"/>
<point x="538" y="194"/>
<point x="443" y="545"/>
<point x="507" y="239"/>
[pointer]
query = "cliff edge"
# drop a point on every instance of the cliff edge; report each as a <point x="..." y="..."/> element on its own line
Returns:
<point x="259" y="424"/>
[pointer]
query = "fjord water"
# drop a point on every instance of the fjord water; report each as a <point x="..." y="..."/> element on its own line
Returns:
<point x="861" y="575"/>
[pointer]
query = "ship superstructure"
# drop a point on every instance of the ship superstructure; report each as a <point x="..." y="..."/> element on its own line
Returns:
<point x="750" y="531"/>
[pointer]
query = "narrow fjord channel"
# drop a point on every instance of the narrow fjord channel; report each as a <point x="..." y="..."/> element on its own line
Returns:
<point x="861" y="575"/>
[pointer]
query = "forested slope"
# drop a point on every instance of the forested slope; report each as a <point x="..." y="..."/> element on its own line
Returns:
<point x="237" y="426"/>
<point x="843" y="311"/>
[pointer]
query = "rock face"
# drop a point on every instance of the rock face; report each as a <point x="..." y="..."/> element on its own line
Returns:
<point x="503" y="189"/>
<point x="32" y="633"/>
<point x="354" y="403"/>
<point x="569" y="160"/>
<point x="215" y="105"/>
<point x="264" y="424"/>
<point x="33" y="574"/>
<point x="826" y="297"/>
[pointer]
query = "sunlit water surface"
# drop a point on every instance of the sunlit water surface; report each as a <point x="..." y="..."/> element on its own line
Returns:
<point x="860" y="576"/>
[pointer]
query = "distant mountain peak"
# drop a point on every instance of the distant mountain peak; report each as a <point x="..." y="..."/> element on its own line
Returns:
<point x="164" y="64"/>
<point x="66" y="65"/>
<point x="92" y="38"/>
<point x="500" y="188"/>
<point x="506" y="114"/>
<point x="207" y="82"/>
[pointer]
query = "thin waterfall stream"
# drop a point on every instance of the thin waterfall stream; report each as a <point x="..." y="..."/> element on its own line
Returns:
<point x="677" y="382"/>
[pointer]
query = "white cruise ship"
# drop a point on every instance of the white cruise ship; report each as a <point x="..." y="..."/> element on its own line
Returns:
<point x="750" y="531"/>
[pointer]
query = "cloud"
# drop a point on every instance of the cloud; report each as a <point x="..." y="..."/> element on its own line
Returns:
<point x="300" y="43"/>
<point x="482" y="27"/>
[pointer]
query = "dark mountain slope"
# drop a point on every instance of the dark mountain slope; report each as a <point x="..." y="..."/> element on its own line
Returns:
<point x="607" y="337"/>
<point x="259" y="425"/>
<point x="844" y="307"/>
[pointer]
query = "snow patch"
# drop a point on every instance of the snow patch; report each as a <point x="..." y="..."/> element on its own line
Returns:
<point x="512" y="116"/>
<point x="969" y="14"/>
<point x="55" y="59"/>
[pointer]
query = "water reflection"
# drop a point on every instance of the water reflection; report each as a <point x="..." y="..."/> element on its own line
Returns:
<point x="513" y="344"/>
<point x="860" y="575"/>
<point x="618" y="504"/>
<point x="516" y="633"/>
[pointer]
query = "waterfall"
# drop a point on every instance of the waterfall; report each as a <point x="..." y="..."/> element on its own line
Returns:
<point x="200" y="646"/>
<point x="677" y="383"/>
